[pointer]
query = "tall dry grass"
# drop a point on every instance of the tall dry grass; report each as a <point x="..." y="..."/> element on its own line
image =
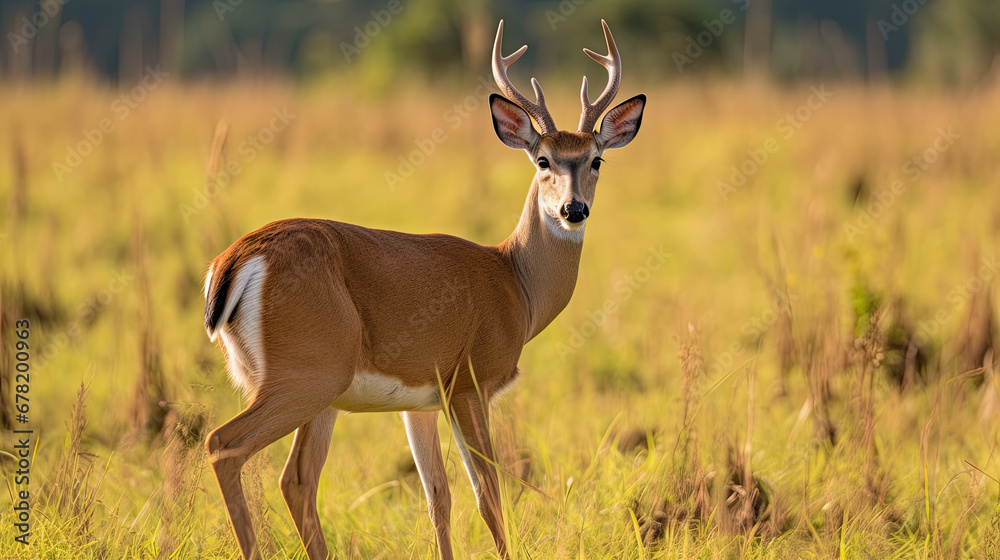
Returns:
<point x="777" y="389"/>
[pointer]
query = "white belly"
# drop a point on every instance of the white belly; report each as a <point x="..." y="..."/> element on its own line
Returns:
<point x="375" y="392"/>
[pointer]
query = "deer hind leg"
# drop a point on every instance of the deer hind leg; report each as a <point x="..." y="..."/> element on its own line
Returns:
<point x="275" y="411"/>
<point x="300" y="478"/>
<point x="470" y="423"/>
<point x="421" y="431"/>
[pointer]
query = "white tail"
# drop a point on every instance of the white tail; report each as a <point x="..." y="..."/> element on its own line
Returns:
<point x="316" y="316"/>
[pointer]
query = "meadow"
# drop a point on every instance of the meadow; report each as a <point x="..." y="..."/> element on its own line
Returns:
<point x="781" y="343"/>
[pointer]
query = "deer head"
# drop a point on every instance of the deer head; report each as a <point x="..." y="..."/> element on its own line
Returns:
<point x="567" y="164"/>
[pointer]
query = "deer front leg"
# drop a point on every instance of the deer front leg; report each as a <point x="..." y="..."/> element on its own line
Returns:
<point x="421" y="431"/>
<point x="470" y="423"/>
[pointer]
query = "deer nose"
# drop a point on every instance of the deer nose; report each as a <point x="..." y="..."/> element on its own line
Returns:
<point x="575" y="212"/>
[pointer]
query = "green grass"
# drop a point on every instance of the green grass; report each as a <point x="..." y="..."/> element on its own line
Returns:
<point x="920" y="482"/>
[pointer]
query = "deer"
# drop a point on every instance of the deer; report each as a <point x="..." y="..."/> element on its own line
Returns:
<point x="316" y="317"/>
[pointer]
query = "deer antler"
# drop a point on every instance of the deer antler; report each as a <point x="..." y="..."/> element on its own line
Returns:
<point x="614" y="65"/>
<point x="537" y="111"/>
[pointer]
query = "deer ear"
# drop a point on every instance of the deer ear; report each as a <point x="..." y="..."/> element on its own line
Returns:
<point x="621" y="124"/>
<point x="512" y="124"/>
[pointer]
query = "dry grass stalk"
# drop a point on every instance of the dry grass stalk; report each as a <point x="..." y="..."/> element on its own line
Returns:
<point x="181" y="464"/>
<point x="72" y="491"/>
<point x="17" y="203"/>
<point x="71" y="449"/>
<point x="688" y="496"/>
<point x="216" y="179"/>
<point x="17" y="200"/>
<point x="989" y="406"/>
<point x="691" y="478"/>
<point x="866" y="360"/>
<point x="149" y="409"/>
<point x="182" y="440"/>
<point x="991" y="540"/>
<point x="215" y="155"/>
<point x="925" y="465"/>
<point x="354" y="547"/>
<point x="513" y="456"/>
<point x="784" y="340"/>
<point x="8" y="315"/>
<point x="958" y="531"/>
<point x="692" y="370"/>
<point x="821" y="358"/>
<point x="748" y="503"/>
<point x="977" y="336"/>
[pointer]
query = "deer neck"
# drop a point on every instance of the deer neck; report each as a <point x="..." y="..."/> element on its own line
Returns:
<point x="546" y="260"/>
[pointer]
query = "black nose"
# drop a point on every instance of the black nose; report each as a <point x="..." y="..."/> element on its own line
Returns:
<point x="575" y="212"/>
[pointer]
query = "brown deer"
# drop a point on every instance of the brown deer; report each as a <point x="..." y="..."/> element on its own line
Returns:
<point x="315" y="316"/>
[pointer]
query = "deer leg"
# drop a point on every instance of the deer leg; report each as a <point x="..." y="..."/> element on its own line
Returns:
<point x="275" y="411"/>
<point x="421" y="431"/>
<point x="470" y="423"/>
<point x="300" y="478"/>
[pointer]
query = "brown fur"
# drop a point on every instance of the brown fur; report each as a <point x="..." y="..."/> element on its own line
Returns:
<point x="403" y="291"/>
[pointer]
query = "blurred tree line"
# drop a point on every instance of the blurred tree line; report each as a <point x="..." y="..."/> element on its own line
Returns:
<point x="953" y="42"/>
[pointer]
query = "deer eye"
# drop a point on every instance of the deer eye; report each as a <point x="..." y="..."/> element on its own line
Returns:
<point x="596" y="164"/>
<point x="543" y="162"/>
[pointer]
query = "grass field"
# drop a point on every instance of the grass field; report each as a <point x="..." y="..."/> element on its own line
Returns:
<point x="798" y="360"/>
